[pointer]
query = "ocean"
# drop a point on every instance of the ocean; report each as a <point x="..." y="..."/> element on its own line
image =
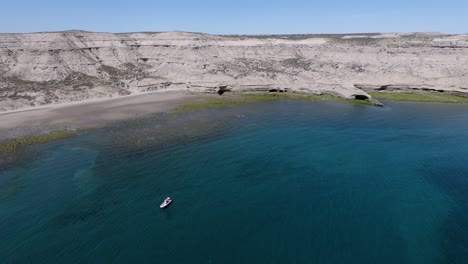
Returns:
<point x="274" y="182"/>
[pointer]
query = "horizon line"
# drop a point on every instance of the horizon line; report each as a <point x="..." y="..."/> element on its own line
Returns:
<point x="235" y="34"/>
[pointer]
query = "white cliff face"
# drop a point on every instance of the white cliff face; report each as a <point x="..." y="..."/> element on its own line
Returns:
<point x="44" y="68"/>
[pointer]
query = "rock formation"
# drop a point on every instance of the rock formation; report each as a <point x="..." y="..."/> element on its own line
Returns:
<point x="43" y="68"/>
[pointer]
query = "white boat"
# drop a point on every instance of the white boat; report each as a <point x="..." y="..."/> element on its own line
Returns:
<point x="166" y="202"/>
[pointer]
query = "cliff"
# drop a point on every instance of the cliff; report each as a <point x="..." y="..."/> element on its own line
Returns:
<point x="44" y="68"/>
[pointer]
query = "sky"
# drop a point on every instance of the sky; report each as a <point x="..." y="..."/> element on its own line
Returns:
<point x="236" y="16"/>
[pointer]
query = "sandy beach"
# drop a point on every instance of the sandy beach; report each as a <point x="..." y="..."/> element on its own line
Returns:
<point x="93" y="113"/>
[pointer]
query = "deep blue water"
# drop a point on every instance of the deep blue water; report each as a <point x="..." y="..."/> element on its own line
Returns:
<point x="278" y="182"/>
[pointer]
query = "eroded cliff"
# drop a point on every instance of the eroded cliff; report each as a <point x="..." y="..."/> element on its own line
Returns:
<point x="43" y="68"/>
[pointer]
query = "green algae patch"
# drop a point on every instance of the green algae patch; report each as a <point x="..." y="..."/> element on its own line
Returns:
<point x="222" y="102"/>
<point x="226" y="101"/>
<point x="420" y="97"/>
<point x="20" y="142"/>
<point x="241" y="99"/>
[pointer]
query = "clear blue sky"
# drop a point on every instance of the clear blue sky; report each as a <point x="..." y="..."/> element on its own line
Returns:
<point x="236" y="16"/>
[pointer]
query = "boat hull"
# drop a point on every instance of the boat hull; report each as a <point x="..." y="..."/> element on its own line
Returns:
<point x="165" y="205"/>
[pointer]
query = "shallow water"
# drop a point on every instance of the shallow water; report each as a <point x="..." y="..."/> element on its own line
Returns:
<point x="277" y="182"/>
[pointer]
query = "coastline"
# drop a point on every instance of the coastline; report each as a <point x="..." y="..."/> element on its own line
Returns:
<point x="26" y="127"/>
<point x="23" y="127"/>
<point x="99" y="111"/>
<point x="95" y="112"/>
<point x="37" y="125"/>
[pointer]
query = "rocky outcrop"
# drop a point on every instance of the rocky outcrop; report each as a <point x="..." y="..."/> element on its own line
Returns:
<point x="43" y="68"/>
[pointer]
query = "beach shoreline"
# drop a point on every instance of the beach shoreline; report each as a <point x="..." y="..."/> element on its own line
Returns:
<point x="99" y="112"/>
<point x="95" y="112"/>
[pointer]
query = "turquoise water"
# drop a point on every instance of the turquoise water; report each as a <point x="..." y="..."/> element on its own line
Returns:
<point x="278" y="182"/>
